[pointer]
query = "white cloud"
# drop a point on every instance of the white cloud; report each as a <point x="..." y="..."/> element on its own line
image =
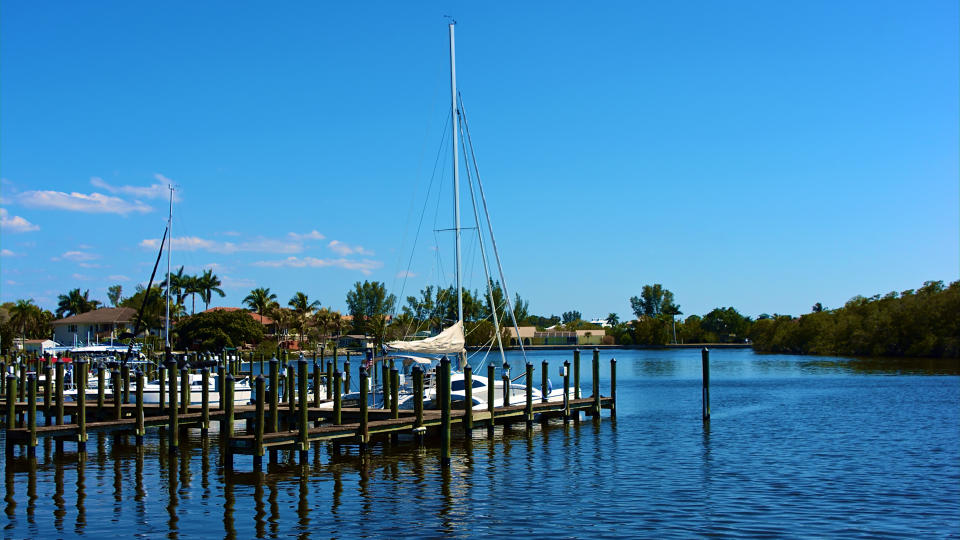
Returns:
<point x="260" y="245"/>
<point x="12" y="282"/>
<point x="78" y="256"/>
<point x="118" y="277"/>
<point x="346" y="249"/>
<point x="159" y="190"/>
<point x="237" y="283"/>
<point x="365" y="266"/>
<point x="406" y="274"/>
<point x="7" y="253"/>
<point x="312" y="235"/>
<point x="15" y="223"/>
<point x="97" y="203"/>
<point x="80" y="277"/>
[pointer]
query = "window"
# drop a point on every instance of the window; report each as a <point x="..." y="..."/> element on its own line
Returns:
<point x="72" y="328"/>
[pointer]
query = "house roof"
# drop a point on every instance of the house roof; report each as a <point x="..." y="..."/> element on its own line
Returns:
<point x="100" y="316"/>
<point x="262" y="319"/>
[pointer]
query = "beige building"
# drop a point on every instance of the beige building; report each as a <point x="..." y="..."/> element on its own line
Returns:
<point x="531" y="336"/>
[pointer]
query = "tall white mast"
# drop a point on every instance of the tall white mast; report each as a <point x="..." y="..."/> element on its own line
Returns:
<point x="166" y="331"/>
<point x="455" y="120"/>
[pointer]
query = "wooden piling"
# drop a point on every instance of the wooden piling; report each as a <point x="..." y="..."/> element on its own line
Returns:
<point x="221" y="392"/>
<point x="184" y="390"/>
<point x="331" y="367"/>
<point x="337" y="399"/>
<point x="162" y="381"/>
<point x="613" y="387"/>
<point x="48" y="394"/>
<point x="174" y="419"/>
<point x="566" y="391"/>
<point x="576" y="374"/>
<point x="59" y="393"/>
<point x="274" y="423"/>
<point x="394" y="393"/>
<point x="468" y="399"/>
<point x="506" y="386"/>
<point x="81" y="415"/>
<point x="125" y="379"/>
<point x="417" y="397"/>
<point x="443" y="391"/>
<point x="364" y="430"/>
<point x="596" y="384"/>
<point x="346" y="373"/>
<point x="259" y="425"/>
<point x="32" y="414"/>
<point x="544" y="381"/>
<point x="316" y="381"/>
<point x="205" y="402"/>
<point x="226" y="427"/>
<point x="11" y="404"/>
<point x="23" y="380"/>
<point x="528" y="410"/>
<point x="385" y="385"/>
<point x="491" y="396"/>
<point x="303" y="423"/>
<point x="291" y="387"/>
<point x="140" y="429"/>
<point x="117" y="396"/>
<point x="705" y="364"/>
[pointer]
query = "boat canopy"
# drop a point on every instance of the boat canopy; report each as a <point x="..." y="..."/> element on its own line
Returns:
<point x="449" y="341"/>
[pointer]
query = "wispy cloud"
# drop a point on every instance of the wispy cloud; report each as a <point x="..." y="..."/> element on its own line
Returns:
<point x="96" y="203"/>
<point x="78" y="256"/>
<point x="80" y="277"/>
<point x="118" y="277"/>
<point x="365" y="266"/>
<point x="406" y="274"/>
<point x="159" y="190"/>
<point x="343" y="249"/>
<point x="257" y="245"/>
<point x="7" y="253"/>
<point x="15" y="223"/>
<point x="312" y="235"/>
<point x="237" y="283"/>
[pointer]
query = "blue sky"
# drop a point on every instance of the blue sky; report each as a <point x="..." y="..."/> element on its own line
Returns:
<point x="761" y="155"/>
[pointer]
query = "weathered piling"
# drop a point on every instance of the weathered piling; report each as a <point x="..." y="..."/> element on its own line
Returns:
<point x="11" y="404"/>
<point x="705" y="365"/>
<point x="394" y="393"/>
<point x="205" y="402"/>
<point x="23" y="378"/>
<point x="125" y="379"/>
<point x="291" y="395"/>
<point x="226" y="426"/>
<point x="32" y="414"/>
<point x="162" y="382"/>
<point x="184" y="390"/>
<point x="329" y="382"/>
<point x="59" y="393"/>
<point x="346" y="372"/>
<point x="566" y="391"/>
<point x="221" y="373"/>
<point x="576" y="374"/>
<point x="174" y="420"/>
<point x="506" y="385"/>
<point x="468" y="399"/>
<point x="443" y="392"/>
<point x="385" y="385"/>
<point x="491" y="396"/>
<point x="364" y="429"/>
<point x="80" y="417"/>
<point x="316" y="382"/>
<point x="48" y="394"/>
<point x="613" y="387"/>
<point x="418" y="428"/>
<point x="259" y="423"/>
<point x="544" y="380"/>
<point x="303" y="423"/>
<point x="596" y="384"/>
<point x="117" y="396"/>
<point x="140" y="430"/>
<point x="528" y="410"/>
<point x="274" y="423"/>
<point x="337" y="399"/>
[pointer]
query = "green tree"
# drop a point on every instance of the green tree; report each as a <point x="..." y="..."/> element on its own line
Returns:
<point x="613" y="319"/>
<point x="208" y="283"/>
<point x="302" y="310"/>
<point x="115" y="294"/>
<point x="727" y="324"/>
<point x="653" y="301"/>
<point x="214" y="330"/>
<point x="366" y="300"/>
<point x="260" y="300"/>
<point x="75" y="303"/>
<point x="570" y="316"/>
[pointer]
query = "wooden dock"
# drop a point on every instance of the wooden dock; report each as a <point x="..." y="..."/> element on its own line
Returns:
<point x="271" y="424"/>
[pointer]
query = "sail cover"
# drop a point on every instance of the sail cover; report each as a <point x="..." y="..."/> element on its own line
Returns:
<point x="449" y="341"/>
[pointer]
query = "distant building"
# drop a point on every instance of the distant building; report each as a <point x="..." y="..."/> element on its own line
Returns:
<point x="94" y="326"/>
<point x="531" y="336"/>
<point x="34" y="346"/>
<point x="601" y="322"/>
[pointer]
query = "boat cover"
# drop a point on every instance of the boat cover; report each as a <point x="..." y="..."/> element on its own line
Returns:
<point x="449" y="341"/>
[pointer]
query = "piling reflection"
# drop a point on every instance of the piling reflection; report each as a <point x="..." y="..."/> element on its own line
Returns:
<point x="59" y="504"/>
<point x="303" y="506"/>
<point x="81" y="521"/>
<point x="8" y="479"/>
<point x="259" y="510"/>
<point x="30" y="466"/>
<point x="229" y="530"/>
<point x="173" y="521"/>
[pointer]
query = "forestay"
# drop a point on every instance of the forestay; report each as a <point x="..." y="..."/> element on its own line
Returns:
<point x="449" y="341"/>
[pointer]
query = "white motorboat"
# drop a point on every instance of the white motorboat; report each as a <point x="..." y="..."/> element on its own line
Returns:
<point x="241" y="391"/>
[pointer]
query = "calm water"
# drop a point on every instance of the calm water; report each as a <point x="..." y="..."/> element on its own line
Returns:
<point x="797" y="446"/>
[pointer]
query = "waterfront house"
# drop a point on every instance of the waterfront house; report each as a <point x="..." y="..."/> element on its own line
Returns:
<point x="34" y="346"/>
<point x="531" y="336"/>
<point x="94" y="326"/>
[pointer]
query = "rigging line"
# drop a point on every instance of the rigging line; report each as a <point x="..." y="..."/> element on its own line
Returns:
<point x="483" y="256"/>
<point x="426" y="201"/>
<point x="493" y="239"/>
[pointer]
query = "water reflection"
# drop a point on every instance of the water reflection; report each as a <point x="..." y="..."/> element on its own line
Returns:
<point x="59" y="504"/>
<point x="885" y="366"/>
<point x="81" y="521"/>
<point x="173" y="519"/>
<point x="228" y="526"/>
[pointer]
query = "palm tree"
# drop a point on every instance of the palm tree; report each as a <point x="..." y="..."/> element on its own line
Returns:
<point x="178" y="284"/>
<point x="302" y="308"/>
<point x="613" y="319"/>
<point x="281" y="317"/>
<point x="260" y="300"/>
<point x="378" y="329"/>
<point x="190" y="286"/>
<point x="74" y="303"/>
<point x="115" y="294"/>
<point x="323" y="318"/>
<point x="25" y="315"/>
<point x="209" y="283"/>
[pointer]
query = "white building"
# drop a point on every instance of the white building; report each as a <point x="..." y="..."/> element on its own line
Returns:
<point x="94" y="326"/>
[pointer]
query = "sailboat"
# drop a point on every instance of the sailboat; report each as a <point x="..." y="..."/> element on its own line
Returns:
<point x="451" y="341"/>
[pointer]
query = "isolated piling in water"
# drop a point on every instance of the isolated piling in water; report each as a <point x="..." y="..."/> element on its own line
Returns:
<point x="226" y="428"/>
<point x="596" y="384"/>
<point x="117" y="396"/>
<point x="705" y="364"/>
<point x="613" y="387"/>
